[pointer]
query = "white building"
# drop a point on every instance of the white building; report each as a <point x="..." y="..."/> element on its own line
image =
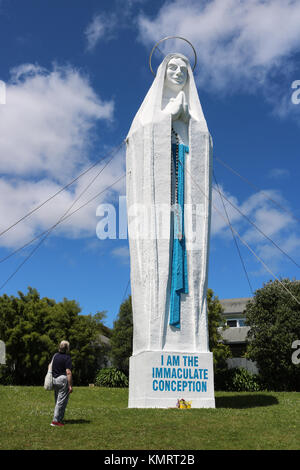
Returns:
<point x="236" y="333"/>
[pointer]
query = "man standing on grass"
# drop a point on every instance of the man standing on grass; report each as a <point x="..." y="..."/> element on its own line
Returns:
<point x="62" y="381"/>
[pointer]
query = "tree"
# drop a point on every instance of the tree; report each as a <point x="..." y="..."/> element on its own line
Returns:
<point x="121" y="339"/>
<point x="216" y="320"/>
<point x="87" y="351"/>
<point x="274" y="318"/>
<point x="32" y="328"/>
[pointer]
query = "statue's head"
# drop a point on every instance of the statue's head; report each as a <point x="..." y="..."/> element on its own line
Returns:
<point x="176" y="73"/>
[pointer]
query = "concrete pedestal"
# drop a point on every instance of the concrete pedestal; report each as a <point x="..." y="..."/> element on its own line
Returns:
<point x="157" y="379"/>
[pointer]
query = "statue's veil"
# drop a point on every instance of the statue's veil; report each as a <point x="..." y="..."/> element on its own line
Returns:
<point x="151" y="108"/>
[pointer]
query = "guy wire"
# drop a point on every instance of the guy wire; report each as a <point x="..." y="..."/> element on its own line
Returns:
<point x="234" y="238"/>
<point x="246" y="244"/>
<point x="112" y="152"/>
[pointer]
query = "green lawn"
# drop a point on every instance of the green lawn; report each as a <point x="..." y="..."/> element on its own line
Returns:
<point x="98" y="418"/>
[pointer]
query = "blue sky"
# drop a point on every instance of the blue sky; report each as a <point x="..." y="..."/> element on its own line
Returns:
<point x="76" y="73"/>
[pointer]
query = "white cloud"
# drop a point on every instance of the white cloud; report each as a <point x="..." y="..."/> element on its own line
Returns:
<point x="46" y="135"/>
<point x="272" y="222"/>
<point x="106" y="26"/>
<point x="219" y="223"/>
<point x="19" y="196"/>
<point x="122" y="253"/>
<point x="101" y="27"/>
<point x="278" y="173"/>
<point x="240" y="44"/>
<point x="47" y="122"/>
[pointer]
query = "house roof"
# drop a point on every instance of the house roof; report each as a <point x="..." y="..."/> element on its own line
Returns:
<point x="234" y="306"/>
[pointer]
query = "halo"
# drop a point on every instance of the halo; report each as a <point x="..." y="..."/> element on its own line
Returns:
<point x="172" y="37"/>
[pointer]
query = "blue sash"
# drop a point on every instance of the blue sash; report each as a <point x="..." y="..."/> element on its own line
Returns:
<point x="179" y="280"/>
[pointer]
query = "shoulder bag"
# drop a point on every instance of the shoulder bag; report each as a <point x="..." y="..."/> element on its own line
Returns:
<point x="48" y="382"/>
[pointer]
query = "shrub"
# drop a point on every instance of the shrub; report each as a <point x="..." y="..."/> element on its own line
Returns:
<point x="238" y="380"/>
<point x="111" y="377"/>
<point x="223" y="379"/>
<point x="6" y="377"/>
<point x="244" y="381"/>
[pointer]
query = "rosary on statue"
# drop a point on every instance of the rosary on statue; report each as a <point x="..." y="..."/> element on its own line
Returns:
<point x="179" y="279"/>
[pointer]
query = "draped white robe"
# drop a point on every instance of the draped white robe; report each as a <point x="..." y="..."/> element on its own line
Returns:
<point x="148" y="183"/>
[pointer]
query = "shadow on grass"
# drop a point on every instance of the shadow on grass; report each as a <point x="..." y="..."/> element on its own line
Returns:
<point x="245" y="401"/>
<point x="76" y="421"/>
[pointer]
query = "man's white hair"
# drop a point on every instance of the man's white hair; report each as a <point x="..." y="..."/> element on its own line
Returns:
<point x="64" y="346"/>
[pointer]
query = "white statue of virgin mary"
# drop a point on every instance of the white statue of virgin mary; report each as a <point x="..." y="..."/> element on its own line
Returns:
<point x="168" y="165"/>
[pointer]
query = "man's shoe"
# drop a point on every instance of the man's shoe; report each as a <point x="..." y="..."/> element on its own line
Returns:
<point x="56" y="423"/>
